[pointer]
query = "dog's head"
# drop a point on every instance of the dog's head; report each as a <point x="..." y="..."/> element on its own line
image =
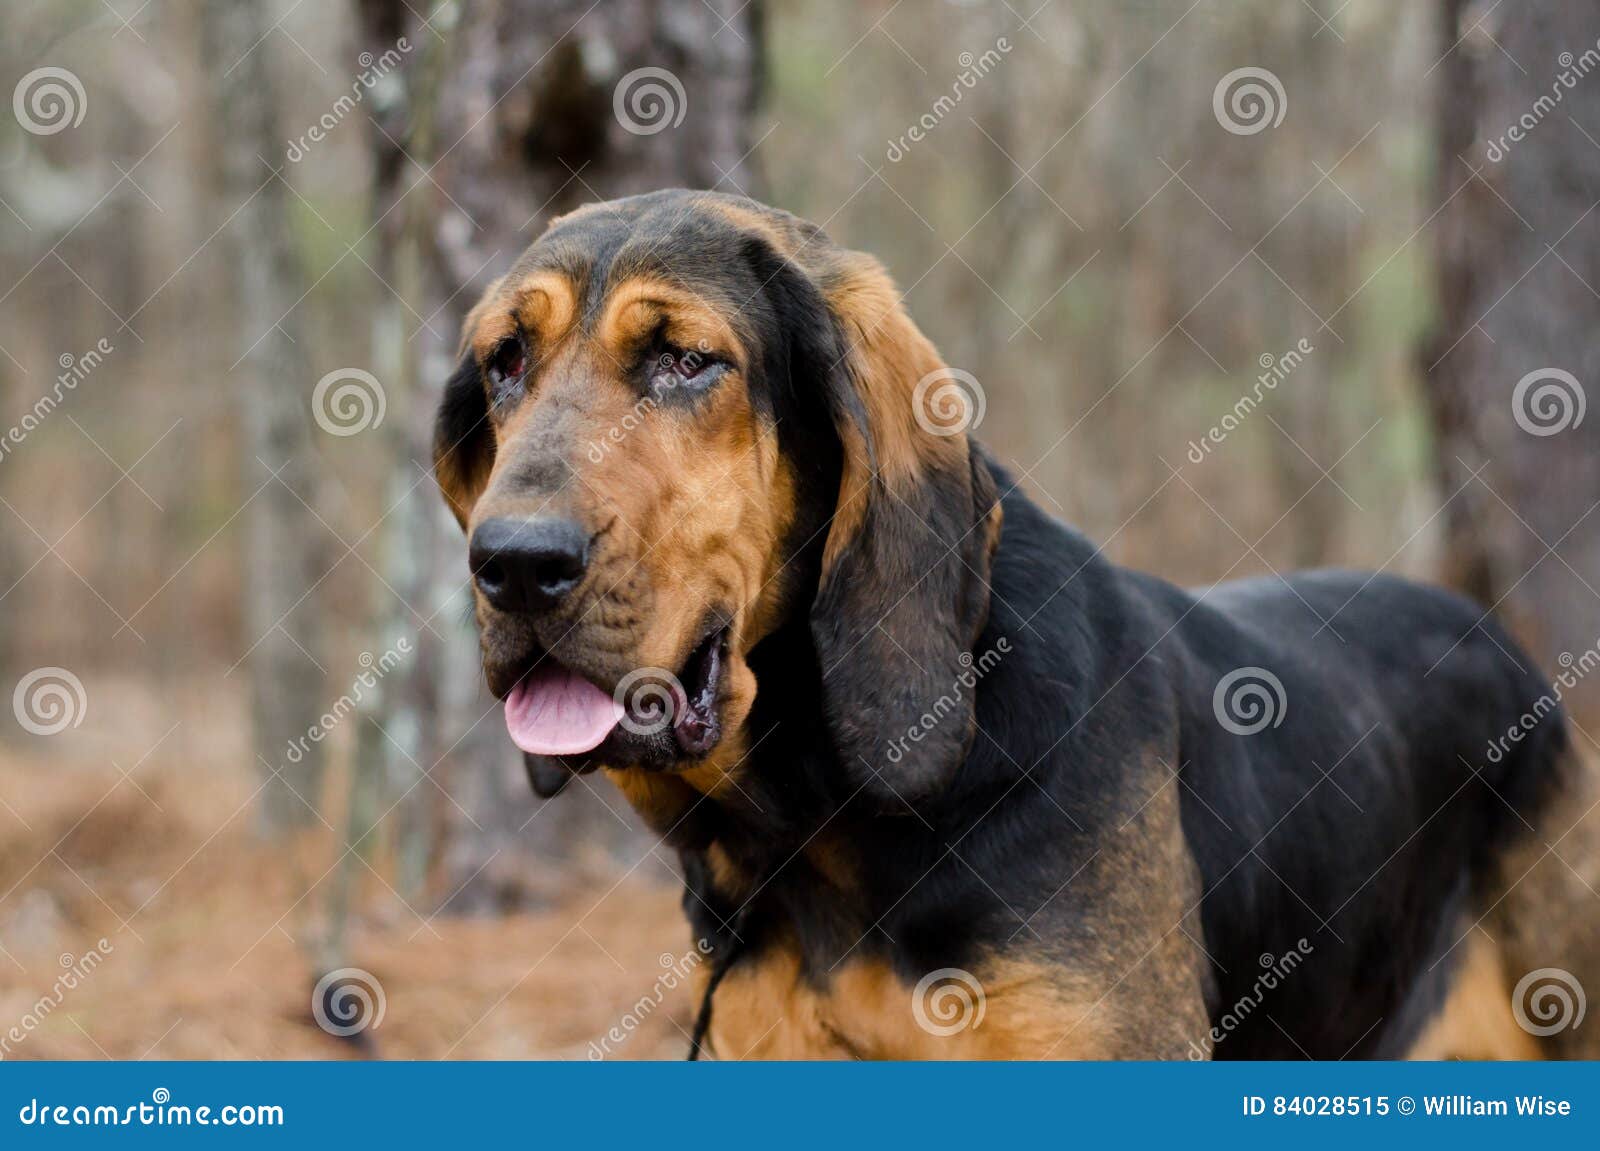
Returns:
<point x="681" y="422"/>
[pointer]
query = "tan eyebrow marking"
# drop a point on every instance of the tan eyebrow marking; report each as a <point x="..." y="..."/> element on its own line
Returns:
<point x="543" y="305"/>
<point x="639" y="303"/>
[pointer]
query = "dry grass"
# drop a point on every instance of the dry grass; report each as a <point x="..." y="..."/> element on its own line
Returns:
<point x="210" y="938"/>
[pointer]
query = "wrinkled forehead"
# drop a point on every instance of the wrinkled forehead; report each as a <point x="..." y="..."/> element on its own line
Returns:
<point x="685" y="253"/>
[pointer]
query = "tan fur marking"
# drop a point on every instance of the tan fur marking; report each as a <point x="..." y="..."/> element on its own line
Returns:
<point x="635" y="306"/>
<point x="835" y="860"/>
<point x="546" y="305"/>
<point x="855" y="487"/>
<point x="661" y="800"/>
<point x="993" y="523"/>
<point x="701" y="507"/>
<point x="1475" y="1021"/>
<point x="1133" y="990"/>
<point x="543" y="306"/>
<point x="717" y="774"/>
<point x="767" y="1010"/>
<point x="765" y="223"/>
<point x="889" y="356"/>
<point x="1541" y="914"/>
<point x="469" y="326"/>
<point x="690" y="510"/>
<point x="726" y="875"/>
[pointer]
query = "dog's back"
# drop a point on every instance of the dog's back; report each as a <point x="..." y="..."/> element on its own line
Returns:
<point x="1394" y="792"/>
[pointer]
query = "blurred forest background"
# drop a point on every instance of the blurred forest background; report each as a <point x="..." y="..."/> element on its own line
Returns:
<point x="248" y="243"/>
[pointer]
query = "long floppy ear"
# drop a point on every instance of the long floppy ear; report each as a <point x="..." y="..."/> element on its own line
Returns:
<point x="463" y="441"/>
<point x="904" y="591"/>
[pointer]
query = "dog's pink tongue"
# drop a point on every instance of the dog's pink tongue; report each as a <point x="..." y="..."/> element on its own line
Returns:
<point x="554" y="712"/>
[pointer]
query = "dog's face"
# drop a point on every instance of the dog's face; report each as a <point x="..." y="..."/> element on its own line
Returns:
<point x="679" y="422"/>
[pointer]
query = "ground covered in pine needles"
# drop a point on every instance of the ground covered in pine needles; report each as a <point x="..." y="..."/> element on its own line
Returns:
<point x="209" y="934"/>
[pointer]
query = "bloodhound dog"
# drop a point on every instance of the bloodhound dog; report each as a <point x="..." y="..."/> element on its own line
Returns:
<point x="946" y="782"/>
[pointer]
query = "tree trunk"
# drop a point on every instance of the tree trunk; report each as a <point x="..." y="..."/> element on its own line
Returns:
<point x="539" y="110"/>
<point x="1508" y="367"/>
<point x="272" y="381"/>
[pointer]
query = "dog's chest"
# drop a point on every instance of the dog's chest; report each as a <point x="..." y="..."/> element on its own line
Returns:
<point x="767" y="1008"/>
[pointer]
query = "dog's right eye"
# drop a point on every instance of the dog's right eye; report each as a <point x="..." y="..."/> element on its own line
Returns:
<point x="677" y="367"/>
<point x="508" y="362"/>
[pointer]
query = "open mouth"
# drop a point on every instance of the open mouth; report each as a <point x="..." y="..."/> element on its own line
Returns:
<point x="555" y="711"/>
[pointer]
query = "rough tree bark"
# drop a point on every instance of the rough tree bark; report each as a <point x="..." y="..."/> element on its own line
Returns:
<point x="1518" y="274"/>
<point x="272" y="383"/>
<point x="538" y="110"/>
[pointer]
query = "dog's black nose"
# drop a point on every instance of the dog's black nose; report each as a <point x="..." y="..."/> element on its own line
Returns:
<point x="527" y="565"/>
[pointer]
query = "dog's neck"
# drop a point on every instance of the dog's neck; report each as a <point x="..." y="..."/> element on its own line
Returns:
<point x="772" y="850"/>
<point x="792" y="847"/>
<point x="798" y="838"/>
